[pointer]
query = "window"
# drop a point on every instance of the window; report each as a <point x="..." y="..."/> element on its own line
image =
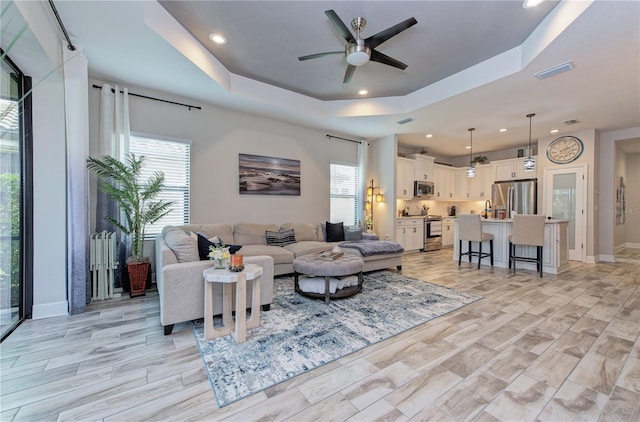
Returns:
<point x="16" y="197"/>
<point x="171" y="157"/>
<point x="343" y="192"/>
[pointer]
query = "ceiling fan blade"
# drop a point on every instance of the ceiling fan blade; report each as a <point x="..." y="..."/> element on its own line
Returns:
<point x="340" y="26"/>
<point x="315" y="56"/>
<point x="348" y="74"/>
<point x="377" y="56"/>
<point x="382" y="36"/>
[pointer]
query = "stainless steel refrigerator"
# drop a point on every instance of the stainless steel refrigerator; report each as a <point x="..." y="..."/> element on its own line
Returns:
<point x="520" y="196"/>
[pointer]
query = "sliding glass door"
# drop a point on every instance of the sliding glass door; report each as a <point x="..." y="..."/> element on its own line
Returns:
<point x="15" y="198"/>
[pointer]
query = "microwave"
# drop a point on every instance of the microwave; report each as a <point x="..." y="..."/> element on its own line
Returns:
<point x="424" y="189"/>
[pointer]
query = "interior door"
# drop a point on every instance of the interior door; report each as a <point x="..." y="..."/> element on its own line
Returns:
<point x="565" y="199"/>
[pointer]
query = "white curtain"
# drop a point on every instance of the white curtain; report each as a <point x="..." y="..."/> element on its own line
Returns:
<point x="113" y="141"/>
<point x="76" y="101"/>
<point x="363" y="149"/>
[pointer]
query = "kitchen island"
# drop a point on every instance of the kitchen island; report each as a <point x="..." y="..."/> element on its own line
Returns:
<point x="555" y="253"/>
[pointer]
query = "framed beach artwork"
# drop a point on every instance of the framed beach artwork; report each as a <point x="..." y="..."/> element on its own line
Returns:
<point x="260" y="175"/>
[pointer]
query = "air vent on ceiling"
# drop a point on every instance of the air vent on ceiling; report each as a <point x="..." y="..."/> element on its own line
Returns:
<point x="552" y="71"/>
<point x="571" y="122"/>
<point x="407" y="120"/>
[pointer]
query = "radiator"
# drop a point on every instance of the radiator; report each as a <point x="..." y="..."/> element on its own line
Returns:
<point x="103" y="264"/>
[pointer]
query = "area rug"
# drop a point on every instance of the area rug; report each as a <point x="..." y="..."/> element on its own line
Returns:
<point x="299" y="334"/>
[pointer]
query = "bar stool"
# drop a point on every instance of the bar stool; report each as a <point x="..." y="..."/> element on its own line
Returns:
<point x="527" y="230"/>
<point x="470" y="229"/>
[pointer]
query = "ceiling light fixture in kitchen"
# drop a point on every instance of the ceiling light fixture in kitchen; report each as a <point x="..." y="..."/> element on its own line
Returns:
<point x="471" y="170"/>
<point x="530" y="162"/>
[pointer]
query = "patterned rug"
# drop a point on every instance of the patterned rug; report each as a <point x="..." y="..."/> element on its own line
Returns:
<point x="299" y="334"/>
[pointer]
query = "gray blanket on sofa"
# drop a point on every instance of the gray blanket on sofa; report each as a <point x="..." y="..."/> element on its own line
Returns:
<point x="373" y="247"/>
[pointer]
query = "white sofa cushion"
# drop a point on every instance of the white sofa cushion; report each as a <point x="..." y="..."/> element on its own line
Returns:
<point x="183" y="245"/>
<point x="303" y="231"/>
<point x="252" y="234"/>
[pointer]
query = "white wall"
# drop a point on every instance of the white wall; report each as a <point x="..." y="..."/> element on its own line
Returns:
<point x="49" y="206"/>
<point x="627" y="166"/>
<point x="589" y="139"/>
<point x="218" y="136"/>
<point x="605" y="188"/>
<point x="632" y="196"/>
<point x="382" y="168"/>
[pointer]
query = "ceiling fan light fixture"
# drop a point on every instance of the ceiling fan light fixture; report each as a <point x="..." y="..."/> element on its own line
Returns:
<point x="358" y="54"/>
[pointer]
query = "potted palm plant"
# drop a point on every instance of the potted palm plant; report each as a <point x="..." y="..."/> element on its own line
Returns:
<point x="121" y="181"/>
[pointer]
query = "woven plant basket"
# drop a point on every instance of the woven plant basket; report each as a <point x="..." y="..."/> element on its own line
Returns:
<point x="138" y="277"/>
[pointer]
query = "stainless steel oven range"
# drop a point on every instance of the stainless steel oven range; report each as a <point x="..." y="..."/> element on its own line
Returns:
<point x="432" y="233"/>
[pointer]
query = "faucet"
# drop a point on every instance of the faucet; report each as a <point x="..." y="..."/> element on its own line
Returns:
<point x="487" y="207"/>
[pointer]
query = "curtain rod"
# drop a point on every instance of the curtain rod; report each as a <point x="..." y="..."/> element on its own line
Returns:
<point x="344" y="139"/>
<point x="189" y="106"/>
<point x="70" y="45"/>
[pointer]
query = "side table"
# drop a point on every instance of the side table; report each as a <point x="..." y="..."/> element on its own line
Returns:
<point x="227" y="278"/>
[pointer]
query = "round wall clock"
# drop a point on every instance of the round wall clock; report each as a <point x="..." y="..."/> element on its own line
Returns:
<point x="565" y="149"/>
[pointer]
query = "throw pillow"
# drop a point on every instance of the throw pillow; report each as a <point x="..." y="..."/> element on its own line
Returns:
<point x="280" y="238"/>
<point x="183" y="245"/>
<point x="335" y="232"/>
<point x="204" y="243"/>
<point x="352" y="233"/>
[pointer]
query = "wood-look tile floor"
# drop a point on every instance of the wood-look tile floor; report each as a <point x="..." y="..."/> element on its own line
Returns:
<point x="557" y="348"/>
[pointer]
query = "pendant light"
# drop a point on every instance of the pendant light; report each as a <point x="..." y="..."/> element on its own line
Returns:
<point x="530" y="162"/>
<point x="471" y="170"/>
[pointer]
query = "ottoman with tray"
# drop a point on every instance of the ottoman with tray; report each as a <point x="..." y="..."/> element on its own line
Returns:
<point x="325" y="266"/>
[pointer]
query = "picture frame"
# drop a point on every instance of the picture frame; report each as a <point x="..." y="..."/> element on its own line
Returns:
<point x="262" y="175"/>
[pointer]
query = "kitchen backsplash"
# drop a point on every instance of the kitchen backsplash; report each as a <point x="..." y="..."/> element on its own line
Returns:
<point x="439" y="207"/>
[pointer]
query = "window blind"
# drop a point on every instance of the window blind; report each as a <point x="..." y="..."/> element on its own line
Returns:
<point x="173" y="160"/>
<point x="343" y="187"/>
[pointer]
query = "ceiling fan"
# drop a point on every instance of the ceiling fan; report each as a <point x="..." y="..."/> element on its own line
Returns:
<point x="358" y="50"/>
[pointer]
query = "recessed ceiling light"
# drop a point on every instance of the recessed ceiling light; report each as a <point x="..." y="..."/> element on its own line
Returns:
<point x="527" y="4"/>
<point x="467" y="147"/>
<point x="363" y="92"/>
<point x="554" y="131"/>
<point x="503" y="130"/>
<point x="428" y="135"/>
<point x="218" y="38"/>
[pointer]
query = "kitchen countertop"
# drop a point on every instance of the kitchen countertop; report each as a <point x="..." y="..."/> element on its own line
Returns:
<point x="510" y="220"/>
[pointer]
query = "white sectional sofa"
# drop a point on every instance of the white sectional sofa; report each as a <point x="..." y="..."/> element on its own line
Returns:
<point x="179" y="268"/>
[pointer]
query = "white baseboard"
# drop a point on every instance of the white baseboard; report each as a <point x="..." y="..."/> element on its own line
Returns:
<point x="606" y="258"/>
<point x="48" y="310"/>
<point x="632" y="245"/>
<point x="590" y="259"/>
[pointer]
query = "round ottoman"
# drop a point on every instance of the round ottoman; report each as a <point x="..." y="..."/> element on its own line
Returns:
<point x="327" y="267"/>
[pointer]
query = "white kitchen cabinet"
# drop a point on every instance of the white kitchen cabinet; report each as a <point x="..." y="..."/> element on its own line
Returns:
<point x="512" y="169"/>
<point x="423" y="168"/>
<point x="448" y="226"/>
<point x="462" y="184"/>
<point x="410" y="233"/>
<point x="480" y="185"/>
<point x="477" y="188"/>
<point x="404" y="178"/>
<point x="445" y="182"/>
